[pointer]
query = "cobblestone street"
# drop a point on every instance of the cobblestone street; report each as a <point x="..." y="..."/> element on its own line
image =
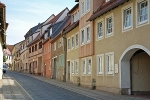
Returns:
<point x="41" y="88"/>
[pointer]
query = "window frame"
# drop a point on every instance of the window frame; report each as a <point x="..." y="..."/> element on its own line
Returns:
<point x="106" y="62"/>
<point x="102" y="64"/>
<point x="87" y="67"/>
<point x="68" y="45"/>
<point x="76" y="66"/>
<point x="82" y="43"/>
<point x="72" y="67"/>
<point x="72" y="42"/>
<point x="97" y="27"/>
<point x="86" y="28"/>
<point x="140" y="24"/>
<point x="76" y="44"/>
<point x="124" y="29"/>
<point x="83" y="73"/>
<point x="106" y="26"/>
<point x="55" y="46"/>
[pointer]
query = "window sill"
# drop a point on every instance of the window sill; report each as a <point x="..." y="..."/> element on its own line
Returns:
<point x="125" y="29"/>
<point x="108" y="35"/>
<point x="140" y="24"/>
<point x="100" y="38"/>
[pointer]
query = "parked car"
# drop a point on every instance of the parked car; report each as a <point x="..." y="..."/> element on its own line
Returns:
<point x="4" y="68"/>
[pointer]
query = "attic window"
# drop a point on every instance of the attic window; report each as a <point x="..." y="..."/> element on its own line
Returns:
<point x="107" y="0"/>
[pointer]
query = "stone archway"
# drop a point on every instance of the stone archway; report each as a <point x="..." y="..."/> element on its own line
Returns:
<point x="124" y="63"/>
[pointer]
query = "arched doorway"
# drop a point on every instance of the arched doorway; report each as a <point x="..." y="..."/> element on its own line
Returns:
<point x="133" y="66"/>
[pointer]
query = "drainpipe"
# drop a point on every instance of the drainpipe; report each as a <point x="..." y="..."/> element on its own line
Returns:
<point x="65" y="56"/>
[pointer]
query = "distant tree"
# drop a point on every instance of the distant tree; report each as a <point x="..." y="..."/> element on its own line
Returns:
<point x="4" y="58"/>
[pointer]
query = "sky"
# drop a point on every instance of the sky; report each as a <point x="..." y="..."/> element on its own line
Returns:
<point x="25" y="14"/>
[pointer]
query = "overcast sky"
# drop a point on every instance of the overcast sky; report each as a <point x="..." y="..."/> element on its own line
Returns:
<point x="24" y="14"/>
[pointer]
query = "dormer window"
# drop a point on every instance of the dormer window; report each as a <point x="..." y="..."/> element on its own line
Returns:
<point x="46" y="36"/>
<point x="107" y="0"/>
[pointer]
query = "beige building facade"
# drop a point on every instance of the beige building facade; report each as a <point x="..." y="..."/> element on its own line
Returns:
<point x="122" y="51"/>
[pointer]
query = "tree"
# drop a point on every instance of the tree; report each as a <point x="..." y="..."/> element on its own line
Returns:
<point x="4" y="58"/>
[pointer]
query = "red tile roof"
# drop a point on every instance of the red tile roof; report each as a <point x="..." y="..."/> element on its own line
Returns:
<point x="2" y="5"/>
<point x="10" y="47"/>
<point x="105" y="7"/>
<point x="71" y="27"/>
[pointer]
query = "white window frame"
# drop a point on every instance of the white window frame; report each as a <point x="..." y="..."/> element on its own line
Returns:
<point x="82" y="43"/>
<point x="110" y="72"/>
<point x="106" y="33"/>
<point x="87" y="40"/>
<point x="140" y="24"/>
<point x="88" y="6"/>
<point x="68" y="45"/>
<point x="72" y="42"/>
<point x="83" y="72"/>
<point x="89" y="67"/>
<point x="97" y="27"/>
<point x="76" y="45"/>
<point x="124" y="29"/>
<point x="76" y="66"/>
<point x="100" y="65"/>
<point x="72" y="67"/>
<point x="55" y="46"/>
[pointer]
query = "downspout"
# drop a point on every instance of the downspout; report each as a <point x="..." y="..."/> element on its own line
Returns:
<point x="65" y="56"/>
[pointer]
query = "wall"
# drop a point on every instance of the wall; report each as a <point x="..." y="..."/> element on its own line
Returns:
<point x="1" y="58"/>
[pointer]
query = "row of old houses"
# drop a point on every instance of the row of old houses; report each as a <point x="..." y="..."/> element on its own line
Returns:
<point x="102" y="44"/>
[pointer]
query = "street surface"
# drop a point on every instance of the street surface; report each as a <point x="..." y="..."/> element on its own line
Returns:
<point x="39" y="90"/>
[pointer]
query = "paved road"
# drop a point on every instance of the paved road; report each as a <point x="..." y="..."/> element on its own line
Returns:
<point x="40" y="90"/>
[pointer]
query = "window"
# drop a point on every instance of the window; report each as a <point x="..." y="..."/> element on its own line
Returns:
<point x="76" y="38"/>
<point x="72" y="67"/>
<point x="89" y="65"/>
<point x="109" y="25"/>
<point x="88" y="5"/>
<point x="76" y="67"/>
<point x="68" y="44"/>
<point x="82" y="4"/>
<point x="83" y="66"/>
<point x="73" y="18"/>
<point x="99" y="30"/>
<point x="109" y="63"/>
<point x="40" y="45"/>
<point x="46" y="36"/>
<point x="88" y="34"/>
<point x="100" y="64"/>
<point x="54" y="46"/>
<point x="142" y="11"/>
<point x="82" y="36"/>
<point x="127" y="13"/>
<point x="72" y="42"/>
<point x="127" y="18"/>
<point x="32" y="48"/>
<point x="35" y="47"/>
<point x="61" y="60"/>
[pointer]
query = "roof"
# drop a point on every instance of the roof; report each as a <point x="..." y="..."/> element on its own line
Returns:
<point x="57" y="16"/>
<point x="105" y="7"/>
<point x="77" y="5"/>
<point x="32" y="30"/>
<point x="35" y="40"/>
<point x="71" y="27"/>
<point x="2" y="5"/>
<point x="57" y="31"/>
<point x="76" y="0"/>
<point x="10" y="47"/>
<point x="66" y="24"/>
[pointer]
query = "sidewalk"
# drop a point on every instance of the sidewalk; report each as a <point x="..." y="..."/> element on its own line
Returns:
<point x="11" y="90"/>
<point x="98" y="95"/>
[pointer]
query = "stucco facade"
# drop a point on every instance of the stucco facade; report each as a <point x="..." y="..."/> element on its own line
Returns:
<point x="47" y="59"/>
<point x="123" y="44"/>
